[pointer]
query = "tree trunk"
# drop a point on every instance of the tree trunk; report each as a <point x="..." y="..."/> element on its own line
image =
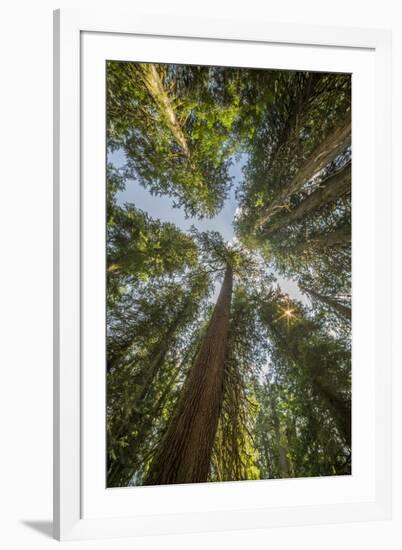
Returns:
<point x="143" y="382"/>
<point x="161" y="347"/>
<point x="340" y="309"/>
<point x="340" y="408"/>
<point x="337" y="406"/>
<point x="154" y="85"/>
<point x="282" y="455"/>
<point x="266" y="457"/>
<point x="325" y="152"/>
<point x="330" y="190"/>
<point x="339" y="237"/>
<point x="185" y="452"/>
<point x="120" y="473"/>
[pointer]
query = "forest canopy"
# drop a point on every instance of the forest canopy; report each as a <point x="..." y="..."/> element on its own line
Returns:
<point x="228" y="352"/>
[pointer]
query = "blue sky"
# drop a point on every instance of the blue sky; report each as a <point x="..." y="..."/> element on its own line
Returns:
<point x="161" y="207"/>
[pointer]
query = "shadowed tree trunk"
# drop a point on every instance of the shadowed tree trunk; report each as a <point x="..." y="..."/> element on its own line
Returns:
<point x="185" y="452"/>
<point x="340" y="408"/>
<point x="122" y="471"/>
<point x="265" y="457"/>
<point x="338" y="307"/>
<point x="281" y="449"/>
<point x="331" y="189"/>
<point x="339" y="237"/>
<point x="119" y="473"/>
<point x="326" y="151"/>
<point x="337" y="405"/>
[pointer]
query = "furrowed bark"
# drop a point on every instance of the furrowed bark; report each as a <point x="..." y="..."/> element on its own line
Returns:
<point x="185" y="452"/>
<point x="120" y="473"/>
<point x="331" y="189"/>
<point x="325" y="152"/>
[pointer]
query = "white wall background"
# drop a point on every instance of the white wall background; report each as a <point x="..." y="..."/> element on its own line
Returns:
<point x="26" y="273"/>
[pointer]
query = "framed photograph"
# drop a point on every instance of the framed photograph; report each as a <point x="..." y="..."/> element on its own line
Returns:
<point x="222" y="275"/>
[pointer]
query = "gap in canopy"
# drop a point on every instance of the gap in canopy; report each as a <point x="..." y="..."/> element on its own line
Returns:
<point x="161" y="207"/>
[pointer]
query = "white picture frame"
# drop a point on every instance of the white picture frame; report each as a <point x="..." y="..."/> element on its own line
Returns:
<point x="83" y="507"/>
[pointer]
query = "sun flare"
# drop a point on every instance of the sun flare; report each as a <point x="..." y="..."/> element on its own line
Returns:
<point x="288" y="314"/>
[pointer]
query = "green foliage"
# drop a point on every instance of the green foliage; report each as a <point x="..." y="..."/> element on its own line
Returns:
<point x="142" y="247"/>
<point x="307" y="108"/>
<point x="286" y="392"/>
<point x="176" y="138"/>
<point x="310" y="373"/>
<point x="235" y="452"/>
<point x="152" y="337"/>
<point x="288" y="213"/>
